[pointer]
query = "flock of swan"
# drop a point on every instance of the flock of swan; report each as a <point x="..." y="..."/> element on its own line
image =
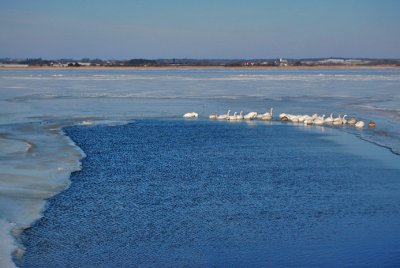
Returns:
<point x="240" y="116"/>
<point x="319" y="120"/>
<point x="305" y="119"/>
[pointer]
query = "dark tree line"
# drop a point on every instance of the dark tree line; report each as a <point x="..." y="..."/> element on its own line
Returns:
<point x="140" y="62"/>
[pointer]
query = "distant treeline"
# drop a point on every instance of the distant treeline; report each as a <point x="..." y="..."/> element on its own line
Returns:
<point x="140" y="62"/>
<point x="37" y="61"/>
<point x="204" y="62"/>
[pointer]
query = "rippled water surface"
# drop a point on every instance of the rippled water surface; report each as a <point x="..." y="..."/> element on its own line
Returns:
<point x="200" y="193"/>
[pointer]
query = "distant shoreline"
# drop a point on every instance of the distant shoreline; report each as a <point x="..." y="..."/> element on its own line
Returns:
<point x="204" y="67"/>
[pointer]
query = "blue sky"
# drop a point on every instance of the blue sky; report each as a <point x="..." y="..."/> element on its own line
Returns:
<point x="199" y="29"/>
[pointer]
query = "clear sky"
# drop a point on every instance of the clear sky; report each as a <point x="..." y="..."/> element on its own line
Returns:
<point x="154" y="29"/>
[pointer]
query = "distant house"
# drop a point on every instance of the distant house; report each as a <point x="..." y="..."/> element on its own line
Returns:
<point x="281" y="62"/>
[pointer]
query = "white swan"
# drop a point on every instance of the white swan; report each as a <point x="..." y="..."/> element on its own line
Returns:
<point x="223" y="116"/>
<point x="191" y="115"/>
<point x="250" y="116"/>
<point x="293" y="118"/>
<point x="305" y="117"/>
<point x="337" y="120"/>
<point x="308" y="121"/>
<point x="319" y="121"/>
<point x="344" y="121"/>
<point x="360" y="124"/>
<point x="282" y="115"/>
<point x="212" y="116"/>
<point x="329" y="120"/>
<point x="352" y="121"/>
<point x="267" y="116"/>
<point x="240" y="116"/>
<point x="232" y="117"/>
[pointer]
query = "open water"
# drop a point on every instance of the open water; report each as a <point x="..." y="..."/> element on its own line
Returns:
<point x="176" y="193"/>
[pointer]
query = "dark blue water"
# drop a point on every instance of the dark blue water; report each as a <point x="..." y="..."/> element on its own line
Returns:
<point x="175" y="193"/>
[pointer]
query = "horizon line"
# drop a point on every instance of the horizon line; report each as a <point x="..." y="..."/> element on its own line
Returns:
<point x="189" y="58"/>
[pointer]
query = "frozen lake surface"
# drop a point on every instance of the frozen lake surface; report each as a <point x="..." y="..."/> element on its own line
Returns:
<point x="37" y="159"/>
